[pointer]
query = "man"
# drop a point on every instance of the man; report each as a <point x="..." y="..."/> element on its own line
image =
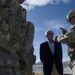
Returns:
<point x="69" y="39"/>
<point x="51" y="53"/>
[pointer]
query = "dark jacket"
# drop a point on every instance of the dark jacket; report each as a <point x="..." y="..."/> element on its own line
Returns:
<point x="46" y="54"/>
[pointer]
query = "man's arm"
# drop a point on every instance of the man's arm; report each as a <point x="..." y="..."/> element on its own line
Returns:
<point x="41" y="53"/>
<point x="60" y="50"/>
<point x="67" y="38"/>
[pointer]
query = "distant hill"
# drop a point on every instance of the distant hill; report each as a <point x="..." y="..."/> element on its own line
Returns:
<point x="65" y="64"/>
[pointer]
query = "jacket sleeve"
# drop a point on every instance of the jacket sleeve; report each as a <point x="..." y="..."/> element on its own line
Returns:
<point x="68" y="37"/>
<point x="41" y="53"/>
<point x="61" y="51"/>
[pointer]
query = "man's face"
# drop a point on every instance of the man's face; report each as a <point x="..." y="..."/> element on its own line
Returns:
<point x="72" y="21"/>
<point x="50" y="36"/>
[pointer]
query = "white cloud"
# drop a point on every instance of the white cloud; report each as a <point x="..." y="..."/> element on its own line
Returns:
<point x="30" y="4"/>
<point x="55" y="24"/>
<point x="39" y="28"/>
<point x="37" y="2"/>
<point x="66" y="1"/>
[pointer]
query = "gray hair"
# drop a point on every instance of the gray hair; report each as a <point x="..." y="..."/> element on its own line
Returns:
<point x="46" y="32"/>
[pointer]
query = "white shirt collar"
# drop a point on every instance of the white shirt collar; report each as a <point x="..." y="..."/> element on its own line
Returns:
<point x="50" y="41"/>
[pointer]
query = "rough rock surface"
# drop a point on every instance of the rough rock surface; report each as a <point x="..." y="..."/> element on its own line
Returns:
<point x="16" y="39"/>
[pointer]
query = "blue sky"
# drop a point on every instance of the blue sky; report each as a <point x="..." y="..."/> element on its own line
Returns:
<point x="48" y="14"/>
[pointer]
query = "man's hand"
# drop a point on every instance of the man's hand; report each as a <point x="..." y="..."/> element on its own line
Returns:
<point x="63" y="31"/>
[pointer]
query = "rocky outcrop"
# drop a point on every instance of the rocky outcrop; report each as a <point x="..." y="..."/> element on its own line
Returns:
<point x="16" y="39"/>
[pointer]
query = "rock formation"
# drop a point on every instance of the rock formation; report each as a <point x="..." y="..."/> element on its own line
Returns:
<point x="16" y="39"/>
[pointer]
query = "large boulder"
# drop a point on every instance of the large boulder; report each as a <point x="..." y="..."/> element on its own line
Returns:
<point x="16" y="39"/>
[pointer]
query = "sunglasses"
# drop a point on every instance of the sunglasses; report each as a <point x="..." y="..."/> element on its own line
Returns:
<point x="50" y="33"/>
